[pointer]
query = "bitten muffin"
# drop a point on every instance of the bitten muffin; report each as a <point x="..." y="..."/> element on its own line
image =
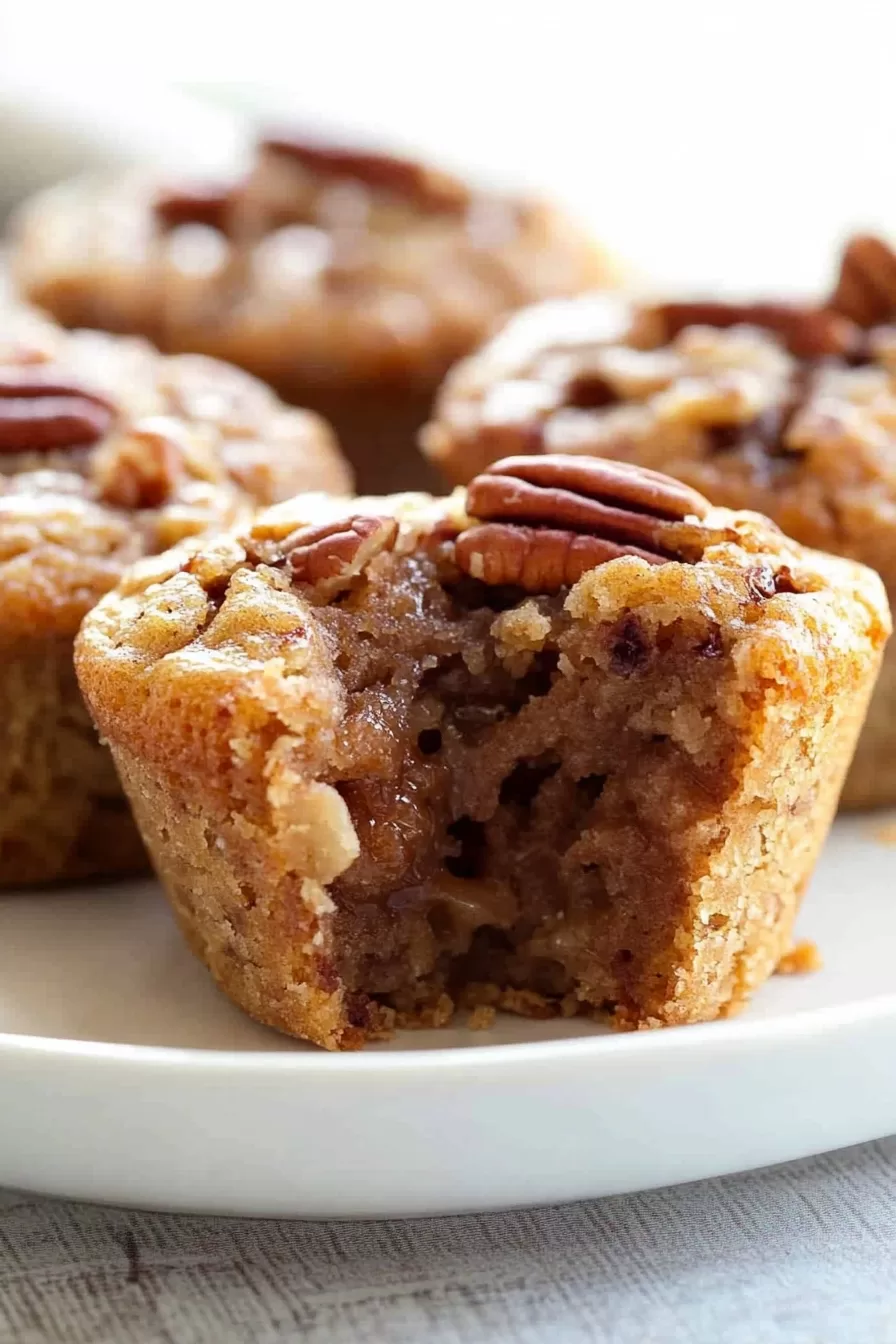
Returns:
<point x="107" y="451"/>
<point x="787" y="410"/>
<point x="569" y="742"/>
<point x="348" y="280"/>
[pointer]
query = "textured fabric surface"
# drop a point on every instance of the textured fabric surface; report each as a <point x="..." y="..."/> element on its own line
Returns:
<point x="802" y="1254"/>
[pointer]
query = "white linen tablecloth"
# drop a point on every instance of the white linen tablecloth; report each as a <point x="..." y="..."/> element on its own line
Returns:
<point x="799" y="1254"/>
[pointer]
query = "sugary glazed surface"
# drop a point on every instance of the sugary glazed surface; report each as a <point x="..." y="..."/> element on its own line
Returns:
<point x="108" y="451"/>
<point x="323" y="264"/>
<point x="567" y="742"/>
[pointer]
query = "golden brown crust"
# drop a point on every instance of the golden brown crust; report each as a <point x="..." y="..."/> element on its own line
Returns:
<point x="62" y="812"/>
<point x="660" y="748"/>
<point x="108" y="451"/>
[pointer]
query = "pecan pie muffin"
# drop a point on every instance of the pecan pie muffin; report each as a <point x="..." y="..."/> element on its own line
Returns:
<point x="348" y="280"/>
<point x="107" y="451"/>
<point x="787" y="410"/>
<point x="569" y="741"/>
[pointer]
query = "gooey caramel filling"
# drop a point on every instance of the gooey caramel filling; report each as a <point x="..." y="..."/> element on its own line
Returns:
<point x="487" y="756"/>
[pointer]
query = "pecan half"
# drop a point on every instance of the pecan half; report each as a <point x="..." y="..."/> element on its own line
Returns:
<point x="195" y="204"/>
<point x="866" y="285"/>
<point x="329" y="556"/>
<point x="40" y="409"/>
<point x="547" y="520"/>
<point x="809" y="333"/>
<point x="426" y="187"/>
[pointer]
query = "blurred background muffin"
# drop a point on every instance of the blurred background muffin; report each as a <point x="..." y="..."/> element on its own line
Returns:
<point x="347" y="278"/>
<point x="644" y="123"/>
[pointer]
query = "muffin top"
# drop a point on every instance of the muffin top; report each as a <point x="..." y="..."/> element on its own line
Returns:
<point x="414" y="604"/>
<point x="785" y="409"/>
<point x="342" y="263"/>
<point x="524" y="529"/>
<point x="109" y="451"/>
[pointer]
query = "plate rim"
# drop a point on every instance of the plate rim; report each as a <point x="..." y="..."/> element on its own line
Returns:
<point x="739" y="1033"/>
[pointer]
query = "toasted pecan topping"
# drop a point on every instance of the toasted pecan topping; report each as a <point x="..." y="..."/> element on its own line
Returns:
<point x="866" y="285"/>
<point x="40" y="409"/>
<point x="425" y="187"/>
<point x="329" y="555"/>
<point x="807" y="332"/>
<point x="547" y="520"/>
<point x="138" y="471"/>
<point x="569" y="485"/>
<point x="195" y="204"/>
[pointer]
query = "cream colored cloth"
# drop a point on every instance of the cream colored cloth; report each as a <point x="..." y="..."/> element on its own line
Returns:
<point x="801" y="1254"/>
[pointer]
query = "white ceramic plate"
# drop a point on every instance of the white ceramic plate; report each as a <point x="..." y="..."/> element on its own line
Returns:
<point x="125" y="1077"/>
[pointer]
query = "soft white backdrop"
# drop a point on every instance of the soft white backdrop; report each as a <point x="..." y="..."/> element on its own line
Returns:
<point x="714" y="143"/>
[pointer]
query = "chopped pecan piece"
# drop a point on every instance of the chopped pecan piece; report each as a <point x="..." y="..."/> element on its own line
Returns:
<point x="429" y="189"/>
<point x="195" y="204"/>
<point x="329" y="555"/>
<point x="138" y="471"/>
<point x="547" y="520"/>
<point x="41" y="410"/>
<point x="809" y="333"/>
<point x="866" y="285"/>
